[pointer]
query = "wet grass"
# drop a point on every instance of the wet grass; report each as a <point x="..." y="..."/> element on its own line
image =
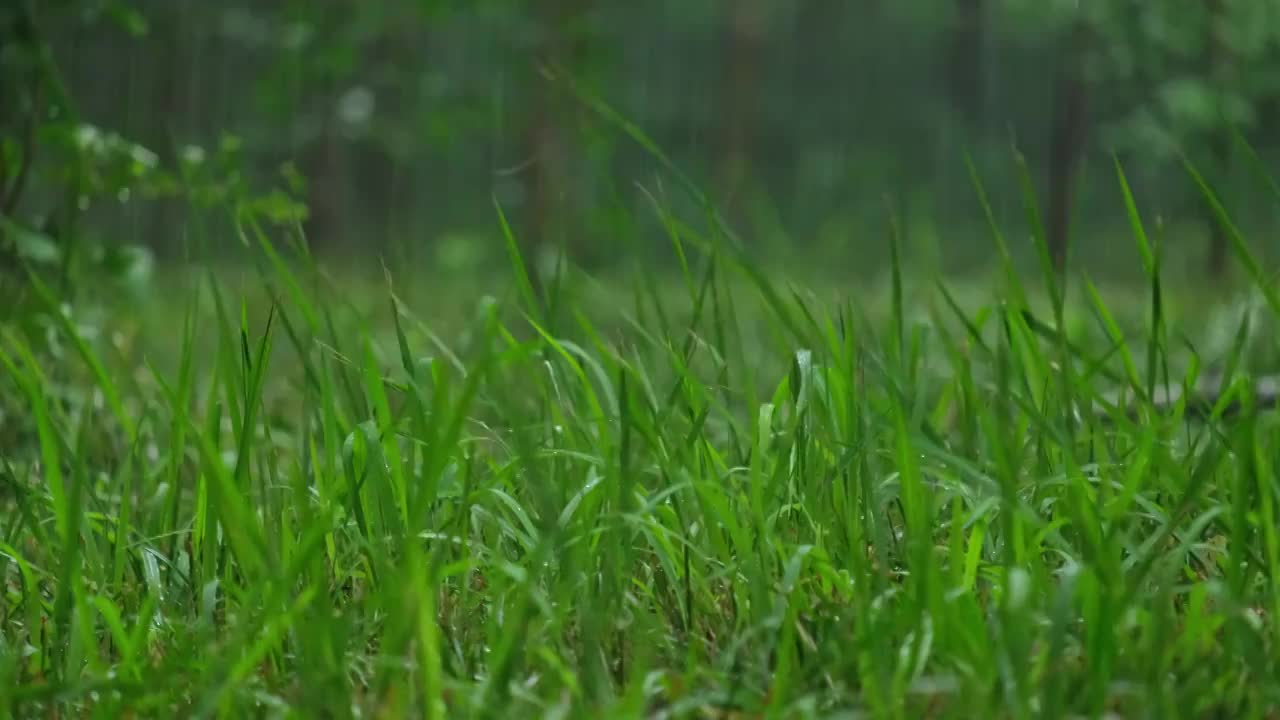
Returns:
<point x="711" y="494"/>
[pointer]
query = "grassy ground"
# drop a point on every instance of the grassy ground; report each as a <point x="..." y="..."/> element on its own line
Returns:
<point x="704" y="495"/>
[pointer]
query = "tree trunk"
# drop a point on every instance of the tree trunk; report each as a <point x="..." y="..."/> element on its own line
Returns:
<point x="740" y="107"/>
<point x="546" y="211"/>
<point x="321" y="165"/>
<point x="968" y="43"/>
<point x="175" y="104"/>
<point x="1218" y="66"/>
<point x="1066" y="145"/>
<point x="1219" y="243"/>
<point x="542" y="187"/>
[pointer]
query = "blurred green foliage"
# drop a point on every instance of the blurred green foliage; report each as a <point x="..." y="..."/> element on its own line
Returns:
<point x="403" y="119"/>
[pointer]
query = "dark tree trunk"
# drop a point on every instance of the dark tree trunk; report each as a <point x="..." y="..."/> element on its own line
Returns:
<point x="965" y="68"/>
<point x="176" y="104"/>
<point x="542" y="187"/>
<point x="546" y="137"/>
<point x="322" y="167"/>
<point x="1066" y="145"/>
<point x="1218" y="66"/>
<point x="740" y="105"/>
<point x="1219" y="243"/>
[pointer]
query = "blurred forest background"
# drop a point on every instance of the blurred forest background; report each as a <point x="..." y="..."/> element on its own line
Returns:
<point x="398" y="123"/>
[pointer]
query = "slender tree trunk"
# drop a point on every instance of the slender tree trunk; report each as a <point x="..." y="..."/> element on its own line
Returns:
<point x="322" y="166"/>
<point x="542" y="188"/>
<point x="1217" y="255"/>
<point x="1066" y="145"/>
<point x="1218" y="61"/>
<point x="965" y="68"/>
<point x="740" y="104"/>
<point x="175" y="105"/>
<point x="546" y="137"/>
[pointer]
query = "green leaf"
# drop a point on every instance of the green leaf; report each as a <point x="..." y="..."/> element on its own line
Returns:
<point x="130" y="19"/>
<point x="31" y="245"/>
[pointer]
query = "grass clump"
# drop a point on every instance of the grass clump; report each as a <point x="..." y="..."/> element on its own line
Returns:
<point x="744" y="502"/>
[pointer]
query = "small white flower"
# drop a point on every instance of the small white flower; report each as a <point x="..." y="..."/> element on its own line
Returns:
<point x="192" y="155"/>
<point x="356" y="105"/>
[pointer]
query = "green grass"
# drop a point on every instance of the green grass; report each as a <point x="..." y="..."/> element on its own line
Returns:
<point x="711" y="494"/>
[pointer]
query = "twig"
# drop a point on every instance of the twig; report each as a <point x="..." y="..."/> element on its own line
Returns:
<point x="14" y="193"/>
